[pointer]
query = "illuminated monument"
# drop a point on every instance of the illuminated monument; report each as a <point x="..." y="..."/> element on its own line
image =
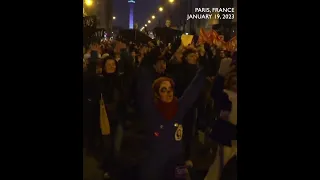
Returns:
<point x="131" y="5"/>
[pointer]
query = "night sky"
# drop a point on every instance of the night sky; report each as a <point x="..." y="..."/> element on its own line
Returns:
<point x="143" y="9"/>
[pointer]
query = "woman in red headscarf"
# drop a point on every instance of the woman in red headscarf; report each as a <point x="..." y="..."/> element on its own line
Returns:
<point x="164" y="112"/>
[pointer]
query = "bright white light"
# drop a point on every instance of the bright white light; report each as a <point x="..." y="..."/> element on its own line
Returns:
<point x="88" y="2"/>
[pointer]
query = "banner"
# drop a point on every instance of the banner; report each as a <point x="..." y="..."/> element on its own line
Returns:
<point x="89" y="22"/>
<point x="213" y="38"/>
<point x="203" y="38"/>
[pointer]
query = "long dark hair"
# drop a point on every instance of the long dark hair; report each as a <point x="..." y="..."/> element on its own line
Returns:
<point x="104" y="73"/>
<point x="110" y="81"/>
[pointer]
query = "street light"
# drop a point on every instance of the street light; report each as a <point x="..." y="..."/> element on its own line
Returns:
<point x="113" y="17"/>
<point x="145" y="25"/>
<point x="160" y="9"/>
<point x="171" y="1"/>
<point x="149" y="21"/>
<point x="153" y="17"/>
<point x="88" y="2"/>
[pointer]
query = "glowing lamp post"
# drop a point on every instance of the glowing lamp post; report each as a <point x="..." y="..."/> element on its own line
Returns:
<point x="88" y="2"/>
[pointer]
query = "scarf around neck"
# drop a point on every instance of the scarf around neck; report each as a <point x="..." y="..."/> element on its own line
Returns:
<point x="167" y="110"/>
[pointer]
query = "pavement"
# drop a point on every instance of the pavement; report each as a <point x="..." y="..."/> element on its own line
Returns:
<point x="132" y="153"/>
<point x="91" y="170"/>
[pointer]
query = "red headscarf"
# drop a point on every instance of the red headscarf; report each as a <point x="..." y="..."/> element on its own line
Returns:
<point x="168" y="110"/>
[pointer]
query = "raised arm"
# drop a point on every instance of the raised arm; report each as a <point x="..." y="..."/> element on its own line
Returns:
<point x="191" y="94"/>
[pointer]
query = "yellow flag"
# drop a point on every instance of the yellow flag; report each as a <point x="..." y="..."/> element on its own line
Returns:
<point x="104" y="120"/>
<point x="186" y="39"/>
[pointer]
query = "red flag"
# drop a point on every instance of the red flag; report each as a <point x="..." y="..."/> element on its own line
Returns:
<point x="202" y="37"/>
<point x="232" y="44"/>
<point x="215" y="37"/>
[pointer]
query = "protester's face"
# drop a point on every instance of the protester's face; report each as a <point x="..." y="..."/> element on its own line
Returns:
<point x="192" y="58"/>
<point x="168" y="23"/>
<point x="222" y="54"/>
<point x="161" y="66"/>
<point x="110" y="66"/>
<point x="133" y="54"/>
<point x="166" y="92"/>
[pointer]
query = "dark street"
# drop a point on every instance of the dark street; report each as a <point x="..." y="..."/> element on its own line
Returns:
<point x="156" y="74"/>
<point x="132" y="153"/>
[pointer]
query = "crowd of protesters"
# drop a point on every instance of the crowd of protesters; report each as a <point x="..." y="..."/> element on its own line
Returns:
<point x="174" y="89"/>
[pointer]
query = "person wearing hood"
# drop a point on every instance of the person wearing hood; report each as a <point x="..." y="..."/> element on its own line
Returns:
<point x="164" y="112"/>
